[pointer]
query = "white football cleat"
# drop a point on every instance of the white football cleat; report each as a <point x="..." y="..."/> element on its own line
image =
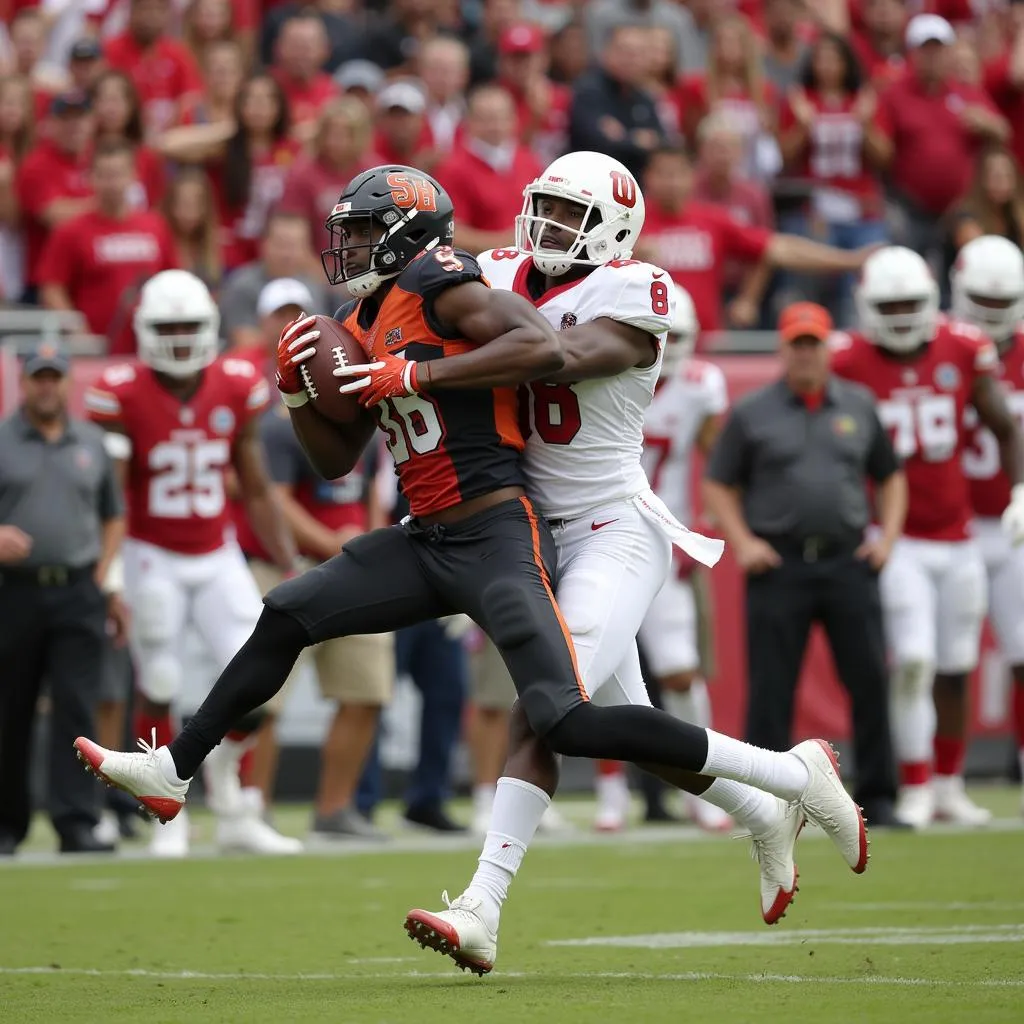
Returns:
<point x="612" y="802"/>
<point x="459" y="932"/>
<point x="827" y="804"/>
<point x="220" y="777"/>
<point x="249" y="833"/>
<point x="773" y="851"/>
<point x="953" y="804"/>
<point x="707" y="816"/>
<point x="107" y="829"/>
<point x="170" y="839"/>
<point x="142" y="775"/>
<point x="915" y="805"/>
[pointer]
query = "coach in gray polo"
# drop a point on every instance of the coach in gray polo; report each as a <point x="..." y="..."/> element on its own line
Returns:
<point x="61" y="523"/>
<point x="788" y="483"/>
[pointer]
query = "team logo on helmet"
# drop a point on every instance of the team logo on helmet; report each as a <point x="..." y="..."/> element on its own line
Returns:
<point x="947" y="377"/>
<point x="222" y="420"/>
<point x="568" y="320"/>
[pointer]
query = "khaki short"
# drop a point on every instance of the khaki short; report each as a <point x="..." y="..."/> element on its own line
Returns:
<point x="490" y="685"/>
<point x="350" y="670"/>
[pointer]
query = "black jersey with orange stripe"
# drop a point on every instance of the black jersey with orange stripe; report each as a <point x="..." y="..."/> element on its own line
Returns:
<point x="448" y="446"/>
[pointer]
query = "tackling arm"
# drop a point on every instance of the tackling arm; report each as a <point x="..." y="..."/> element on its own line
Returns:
<point x="516" y="344"/>
<point x="261" y="504"/>
<point x="603" y="348"/>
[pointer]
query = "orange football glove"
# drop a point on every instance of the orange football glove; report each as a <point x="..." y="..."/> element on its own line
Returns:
<point x="388" y="377"/>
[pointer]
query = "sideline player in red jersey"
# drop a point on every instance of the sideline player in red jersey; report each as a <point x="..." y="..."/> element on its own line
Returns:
<point x="447" y="349"/>
<point x="988" y="291"/>
<point x="925" y="371"/>
<point x="178" y="420"/>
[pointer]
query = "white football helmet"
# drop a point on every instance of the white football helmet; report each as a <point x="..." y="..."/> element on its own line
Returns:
<point x="989" y="268"/>
<point x="896" y="274"/>
<point x="176" y="298"/>
<point x="613" y="219"/>
<point x="682" y="335"/>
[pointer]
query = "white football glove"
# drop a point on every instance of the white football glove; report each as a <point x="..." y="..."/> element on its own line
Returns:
<point x="1013" y="517"/>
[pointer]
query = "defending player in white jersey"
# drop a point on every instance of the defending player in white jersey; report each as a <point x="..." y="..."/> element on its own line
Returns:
<point x="614" y="536"/>
<point x="988" y="291"/>
<point x="178" y="420"/>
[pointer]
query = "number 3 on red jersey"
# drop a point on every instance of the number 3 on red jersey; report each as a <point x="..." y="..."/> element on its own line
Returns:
<point x="925" y="426"/>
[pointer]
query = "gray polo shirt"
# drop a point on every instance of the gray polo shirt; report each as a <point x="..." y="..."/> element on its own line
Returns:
<point x="59" y="493"/>
<point x="803" y="473"/>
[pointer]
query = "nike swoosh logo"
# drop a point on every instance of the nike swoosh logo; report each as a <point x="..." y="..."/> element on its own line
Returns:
<point x="607" y="522"/>
<point x="656" y="276"/>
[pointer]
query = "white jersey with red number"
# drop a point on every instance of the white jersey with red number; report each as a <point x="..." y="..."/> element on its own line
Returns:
<point x="586" y="440"/>
<point x="180" y="450"/>
<point x="990" y="486"/>
<point x="922" y="403"/>
<point x="674" y="418"/>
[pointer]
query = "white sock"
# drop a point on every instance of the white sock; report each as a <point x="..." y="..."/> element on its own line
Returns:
<point x="912" y="712"/>
<point x="483" y="798"/>
<point x="692" y="705"/>
<point x="751" y="808"/>
<point x="518" y="808"/>
<point x="163" y="756"/>
<point x="783" y="774"/>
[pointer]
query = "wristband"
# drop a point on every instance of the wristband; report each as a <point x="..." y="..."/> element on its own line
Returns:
<point x="294" y="399"/>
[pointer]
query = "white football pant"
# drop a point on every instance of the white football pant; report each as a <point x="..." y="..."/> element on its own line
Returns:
<point x="1004" y="566"/>
<point x="669" y="630"/>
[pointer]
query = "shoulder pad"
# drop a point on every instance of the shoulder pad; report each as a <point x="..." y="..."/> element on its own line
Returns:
<point x="439" y="268"/>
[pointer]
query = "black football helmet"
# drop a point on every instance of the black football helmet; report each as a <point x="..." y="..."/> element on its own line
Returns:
<point x="384" y="218"/>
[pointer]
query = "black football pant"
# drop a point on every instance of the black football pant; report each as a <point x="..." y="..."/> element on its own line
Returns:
<point x="56" y="635"/>
<point x="496" y="567"/>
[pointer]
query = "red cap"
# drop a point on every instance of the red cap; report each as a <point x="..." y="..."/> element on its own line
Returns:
<point x="805" y="320"/>
<point x="521" y="38"/>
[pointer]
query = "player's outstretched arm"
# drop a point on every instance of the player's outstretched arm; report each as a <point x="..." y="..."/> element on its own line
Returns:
<point x="515" y="343"/>
<point x="332" y="450"/>
<point x="261" y="503"/>
<point x="603" y="348"/>
<point x="987" y="397"/>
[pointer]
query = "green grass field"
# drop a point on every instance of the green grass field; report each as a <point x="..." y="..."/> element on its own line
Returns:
<point x="659" y="926"/>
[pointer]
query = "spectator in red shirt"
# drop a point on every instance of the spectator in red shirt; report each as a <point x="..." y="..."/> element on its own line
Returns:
<point x="994" y="205"/>
<point x="300" y="53"/>
<point x="118" y="115"/>
<point x="936" y="127"/>
<point x="247" y="158"/>
<point x="692" y="241"/>
<point x="342" y="150"/>
<point x="403" y="134"/>
<point x="718" y="182"/>
<point x="1004" y="80"/>
<point x="208" y="22"/>
<point x="28" y="41"/>
<point x="163" y="70"/>
<point x="85" y="64"/>
<point x="223" y="74"/>
<point x="191" y="214"/>
<point x="16" y="119"/>
<point x="52" y="182"/>
<point x="97" y="262"/>
<point x="542" y="106"/>
<point x="443" y="66"/>
<point x="734" y="82"/>
<point x="831" y="145"/>
<point x="879" y="46"/>
<point x="486" y="174"/>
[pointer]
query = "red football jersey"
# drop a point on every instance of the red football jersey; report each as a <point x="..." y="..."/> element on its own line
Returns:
<point x="990" y="486"/>
<point x="180" y="450"/>
<point x="922" y="404"/>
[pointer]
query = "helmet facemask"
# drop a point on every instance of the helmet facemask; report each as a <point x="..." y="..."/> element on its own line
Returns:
<point x="178" y="349"/>
<point x="594" y="242"/>
<point x="999" y="318"/>
<point x="900" y="325"/>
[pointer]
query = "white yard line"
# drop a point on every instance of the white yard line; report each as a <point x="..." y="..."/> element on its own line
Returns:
<point x="688" y="976"/>
<point x="967" y="934"/>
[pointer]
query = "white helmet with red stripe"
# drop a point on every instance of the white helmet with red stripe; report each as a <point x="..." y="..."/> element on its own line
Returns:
<point x="682" y="335"/>
<point x="988" y="286"/>
<point x="611" y="222"/>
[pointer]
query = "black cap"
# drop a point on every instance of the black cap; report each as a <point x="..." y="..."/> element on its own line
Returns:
<point x="86" y="49"/>
<point x="74" y="101"/>
<point x="47" y="355"/>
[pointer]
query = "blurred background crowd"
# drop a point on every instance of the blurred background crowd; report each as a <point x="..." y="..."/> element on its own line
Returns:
<point x="215" y="135"/>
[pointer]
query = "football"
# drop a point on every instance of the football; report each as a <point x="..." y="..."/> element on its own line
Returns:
<point x="336" y="347"/>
